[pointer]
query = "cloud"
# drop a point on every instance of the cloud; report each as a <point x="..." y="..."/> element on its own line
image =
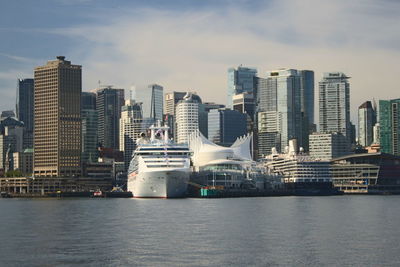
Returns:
<point x="192" y="48"/>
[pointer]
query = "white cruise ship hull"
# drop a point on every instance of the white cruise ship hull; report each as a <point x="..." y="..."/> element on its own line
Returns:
<point x="159" y="184"/>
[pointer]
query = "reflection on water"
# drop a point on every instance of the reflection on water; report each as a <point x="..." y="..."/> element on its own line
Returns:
<point x="340" y="230"/>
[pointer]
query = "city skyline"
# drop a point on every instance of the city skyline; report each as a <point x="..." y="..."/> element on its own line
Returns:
<point x="185" y="52"/>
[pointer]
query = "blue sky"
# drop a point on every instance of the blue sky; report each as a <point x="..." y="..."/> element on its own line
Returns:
<point x="188" y="45"/>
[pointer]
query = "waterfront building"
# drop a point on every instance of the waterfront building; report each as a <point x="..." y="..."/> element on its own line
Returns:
<point x="225" y="126"/>
<point x="152" y="101"/>
<point x="11" y="140"/>
<point x="334" y="104"/>
<point x="25" y="109"/>
<point x="130" y="129"/>
<point x="240" y="80"/>
<point x="374" y="173"/>
<point x="57" y="119"/>
<point x="366" y="122"/>
<point x="187" y="118"/>
<point x="389" y="125"/>
<point x="23" y="161"/>
<point x="108" y="105"/>
<point x="325" y="146"/>
<point x="279" y="115"/>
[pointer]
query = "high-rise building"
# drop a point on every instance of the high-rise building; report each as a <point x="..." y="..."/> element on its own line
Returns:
<point x="225" y="126"/>
<point x="25" y="109"/>
<point x="89" y="127"/>
<point x="11" y="141"/>
<point x="171" y="101"/>
<point x="326" y="146"/>
<point x="187" y="118"/>
<point x="279" y="116"/>
<point x="152" y="101"/>
<point x="377" y="133"/>
<point x="244" y="103"/>
<point x="130" y="129"/>
<point x="57" y="123"/>
<point x="88" y="100"/>
<point x="108" y="105"/>
<point x="366" y="122"/>
<point x="389" y="122"/>
<point x="240" y="80"/>
<point x="307" y="105"/>
<point x="334" y="104"/>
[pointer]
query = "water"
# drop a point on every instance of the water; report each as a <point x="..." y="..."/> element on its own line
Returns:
<point x="274" y="231"/>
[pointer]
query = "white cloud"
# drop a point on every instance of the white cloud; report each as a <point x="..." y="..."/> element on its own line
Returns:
<point x="192" y="49"/>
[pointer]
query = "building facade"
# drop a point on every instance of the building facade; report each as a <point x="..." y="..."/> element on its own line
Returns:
<point x="279" y="117"/>
<point x="334" y="104"/>
<point x="11" y="141"/>
<point x="240" y="80"/>
<point x="108" y="105"/>
<point x="326" y="146"/>
<point x="152" y="99"/>
<point x="366" y="122"/>
<point x="25" y="108"/>
<point x="225" y="126"/>
<point x="130" y="129"/>
<point x="389" y="126"/>
<point x="57" y="119"/>
<point x="187" y="118"/>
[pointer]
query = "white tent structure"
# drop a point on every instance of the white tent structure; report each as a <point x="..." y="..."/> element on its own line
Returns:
<point x="206" y="152"/>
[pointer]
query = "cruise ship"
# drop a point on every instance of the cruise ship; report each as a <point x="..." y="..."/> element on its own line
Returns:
<point x="301" y="174"/>
<point x="159" y="168"/>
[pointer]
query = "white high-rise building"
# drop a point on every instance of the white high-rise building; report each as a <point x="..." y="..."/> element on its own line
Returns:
<point x="187" y="118"/>
<point x="130" y="126"/>
<point x="334" y="104"/>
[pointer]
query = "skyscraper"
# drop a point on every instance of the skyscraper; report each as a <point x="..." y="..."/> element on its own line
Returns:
<point x="25" y="109"/>
<point x="11" y="140"/>
<point x="89" y="127"/>
<point x="152" y="101"/>
<point x="366" y="122"/>
<point x="172" y="100"/>
<point x="187" y="118"/>
<point x="389" y="126"/>
<point x="57" y="119"/>
<point x="334" y="104"/>
<point x="108" y="105"/>
<point x="225" y="126"/>
<point x="279" y="110"/>
<point x="130" y="129"/>
<point x="240" y="80"/>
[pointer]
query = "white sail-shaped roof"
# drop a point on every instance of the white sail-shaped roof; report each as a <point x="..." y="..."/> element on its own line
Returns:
<point x="205" y="151"/>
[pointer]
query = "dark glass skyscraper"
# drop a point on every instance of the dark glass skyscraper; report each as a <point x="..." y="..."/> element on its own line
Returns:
<point x="366" y="122"/>
<point x="240" y="80"/>
<point x="225" y="126"/>
<point x="89" y="127"/>
<point x="25" y="109"/>
<point x="108" y="105"/>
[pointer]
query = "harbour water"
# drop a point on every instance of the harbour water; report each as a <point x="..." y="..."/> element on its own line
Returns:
<point x="270" y="231"/>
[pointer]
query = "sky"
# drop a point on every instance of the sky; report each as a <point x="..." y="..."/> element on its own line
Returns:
<point x="189" y="45"/>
